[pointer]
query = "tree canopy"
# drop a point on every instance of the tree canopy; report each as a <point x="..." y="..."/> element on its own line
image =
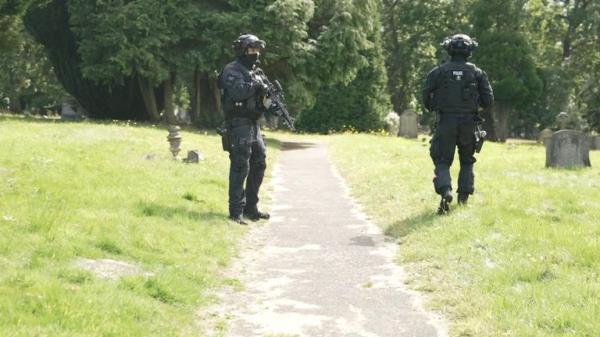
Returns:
<point x="344" y="63"/>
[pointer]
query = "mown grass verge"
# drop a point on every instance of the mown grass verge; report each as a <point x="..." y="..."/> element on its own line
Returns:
<point x="521" y="259"/>
<point x="108" y="191"/>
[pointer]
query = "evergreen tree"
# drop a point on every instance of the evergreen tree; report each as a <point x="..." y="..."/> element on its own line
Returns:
<point x="506" y="56"/>
<point x="350" y="55"/>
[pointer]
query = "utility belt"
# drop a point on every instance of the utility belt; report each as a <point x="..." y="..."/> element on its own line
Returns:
<point x="238" y="131"/>
<point x="240" y="121"/>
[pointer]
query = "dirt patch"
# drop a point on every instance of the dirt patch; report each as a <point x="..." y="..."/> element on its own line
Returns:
<point x="111" y="269"/>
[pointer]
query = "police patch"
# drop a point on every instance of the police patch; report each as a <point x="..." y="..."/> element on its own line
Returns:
<point x="458" y="74"/>
<point x="230" y="79"/>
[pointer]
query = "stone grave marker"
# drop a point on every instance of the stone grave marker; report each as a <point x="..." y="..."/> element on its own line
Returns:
<point x="194" y="157"/>
<point x="408" y="124"/>
<point x="544" y="136"/>
<point x="67" y="112"/>
<point x="568" y="149"/>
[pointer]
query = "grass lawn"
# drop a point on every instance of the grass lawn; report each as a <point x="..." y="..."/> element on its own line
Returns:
<point x="83" y="190"/>
<point x="521" y="259"/>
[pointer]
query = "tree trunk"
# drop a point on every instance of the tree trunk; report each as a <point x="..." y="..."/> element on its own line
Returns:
<point x="218" y="107"/>
<point x="204" y="100"/>
<point x="149" y="99"/>
<point x="496" y="122"/>
<point x="169" y="109"/>
<point x="490" y="125"/>
<point x="209" y="101"/>
<point x="503" y="117"/>
<point x="195" y="97"/>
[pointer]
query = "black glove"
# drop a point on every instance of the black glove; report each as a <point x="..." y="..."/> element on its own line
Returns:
<point x="260" y="87"/>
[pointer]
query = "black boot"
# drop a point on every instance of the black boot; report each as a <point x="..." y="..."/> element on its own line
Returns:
<point x="254" y="214"/>
<point x="239" y="219"/>
<point x="463" y="198"/>
<point x="444" y="207"/>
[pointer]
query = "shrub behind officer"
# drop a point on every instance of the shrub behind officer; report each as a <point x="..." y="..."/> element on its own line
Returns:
<point x="456" y="90"/>
<point x="242" y="94"/>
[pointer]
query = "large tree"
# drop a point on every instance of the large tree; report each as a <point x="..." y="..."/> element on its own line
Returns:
<point x="49" y="23"/>
<point x="348" y="68"/>
<point x="506" y="56"/>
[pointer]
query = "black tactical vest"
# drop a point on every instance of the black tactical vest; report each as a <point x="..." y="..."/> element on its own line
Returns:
<point x="456" y="88"/>
<point x="247" y="108"/>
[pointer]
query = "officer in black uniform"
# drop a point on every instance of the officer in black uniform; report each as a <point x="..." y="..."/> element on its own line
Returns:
<point x="242" y="94"/>
<point x="456" y="90"/>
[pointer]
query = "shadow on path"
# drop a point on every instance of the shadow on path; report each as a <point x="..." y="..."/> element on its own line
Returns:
<point x="289" y="146"/>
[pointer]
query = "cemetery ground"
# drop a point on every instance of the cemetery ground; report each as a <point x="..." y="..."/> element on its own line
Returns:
<point x="521" y="259"/>
<point x="108" y="191"/>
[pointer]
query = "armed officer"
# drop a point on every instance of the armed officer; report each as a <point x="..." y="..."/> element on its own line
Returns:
<point x="242" y="93"/>
<point x="456" y="90"/>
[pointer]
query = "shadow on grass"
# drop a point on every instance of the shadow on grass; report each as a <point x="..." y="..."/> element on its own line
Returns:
<point x="402" y="228"/>
<point x="151" y="209"/>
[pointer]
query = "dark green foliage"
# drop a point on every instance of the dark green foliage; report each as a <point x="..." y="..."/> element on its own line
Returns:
<point x="507" y="58"/>
<point x="359" y="105"/>
<point x="129" y="59"/>
<point x="49" y="23"/>
<point x="351" y="58"/>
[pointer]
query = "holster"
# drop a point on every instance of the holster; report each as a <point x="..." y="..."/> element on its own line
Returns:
<point x="225" y="133"/>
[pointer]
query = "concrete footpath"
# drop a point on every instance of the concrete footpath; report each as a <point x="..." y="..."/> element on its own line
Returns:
<point x="319" y="267"/>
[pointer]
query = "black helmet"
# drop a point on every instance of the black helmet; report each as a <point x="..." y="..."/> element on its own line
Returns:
<point x="242" y="43"/>
<point x="459" y="44"/>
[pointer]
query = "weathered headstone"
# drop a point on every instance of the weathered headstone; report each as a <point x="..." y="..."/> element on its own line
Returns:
<point x="194" y="157"/>
<point x="408" y="124"/>
<point x="68" y="112"/>
<point x="594" y="142"/>
<point x="545" y="135"/>
<point x="183" y="116"/>
<point x="567" y="149"/>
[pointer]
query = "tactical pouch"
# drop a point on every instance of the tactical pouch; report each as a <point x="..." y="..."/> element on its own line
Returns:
<point x="243" y="135"/>
<point x="225" y="138"/>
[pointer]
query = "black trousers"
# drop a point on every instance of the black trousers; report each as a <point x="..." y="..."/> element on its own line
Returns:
<point x="454" y="130"/>
<point x="247" y="165"/>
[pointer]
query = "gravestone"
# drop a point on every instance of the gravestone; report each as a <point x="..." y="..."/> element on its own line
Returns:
<point x="183" y="116"/>
<point x="568" y="149"/>
<point x="594" y="142"/>
<point x="408" y="124"/>
<point x="67" y="112"/>
<point x="194" y="157"/>
<point x="544" y="136"/>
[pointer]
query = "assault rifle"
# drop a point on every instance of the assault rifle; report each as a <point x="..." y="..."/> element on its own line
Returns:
<point x="274" y="93"/>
